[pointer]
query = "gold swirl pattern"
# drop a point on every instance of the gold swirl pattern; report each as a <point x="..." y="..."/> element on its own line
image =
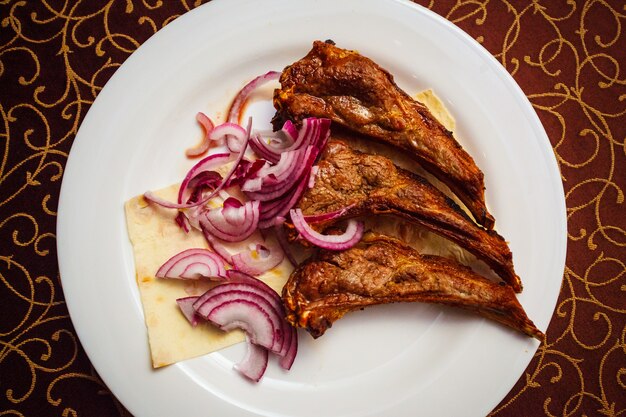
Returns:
<point x="569" y="58"/>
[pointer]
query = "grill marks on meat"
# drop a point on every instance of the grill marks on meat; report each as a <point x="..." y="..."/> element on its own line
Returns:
<point x="355" y="92"/>
<point x="372" y="185"/>
<point x="381" y="270"/>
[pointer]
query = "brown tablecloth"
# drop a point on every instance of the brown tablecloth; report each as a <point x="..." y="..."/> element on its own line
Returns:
<point x="569" y="58"/>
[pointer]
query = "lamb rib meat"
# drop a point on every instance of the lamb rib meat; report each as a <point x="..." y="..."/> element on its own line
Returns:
<point x="381" y="270"/>
<point x="356" y="93"/>
<point x="366" y="184"/>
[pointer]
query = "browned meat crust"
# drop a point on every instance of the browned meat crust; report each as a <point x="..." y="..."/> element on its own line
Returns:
<point x="382" y="270"/>
<point x="372" y="184"/>
<point x="355" y="92"/>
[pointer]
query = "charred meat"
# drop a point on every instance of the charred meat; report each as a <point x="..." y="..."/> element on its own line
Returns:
<point x="381" y="270"/>
<point x="368" y="184"/>
<point x="356" y="93"/>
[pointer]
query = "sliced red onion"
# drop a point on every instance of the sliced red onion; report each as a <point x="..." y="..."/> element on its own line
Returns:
<point x="240" y="286"/>
<point x="314" y="170"/>
<point x="186" y="307"/>
<point x="232" y="224"/>
<point x="290" y="130"/>
<point x="245" y="171"/>
<point x="268" y="208"/>
<point x="250" y="304"/>
<point x="279" y="198"/>
<point x="204" y="145"/>
<point x="210" y="162"/>
<point x="253" y="184"/>
<point x="281" y="169"/>
<point x="224" y="195"/>
<point x="254" y="363"/>
<point x="281" y="237"/>
<point x="317" y="218"/>
<point x="183" y="221"/>
<point x="253" y="293"/>
<point x="288" y="358"/>
<point x="280" y="178"/>
<point x="260" y="148"/>
<point x="241" y="277"/>
<point x="153" y="198"/>
<point x="225" y="180"/>
<point x="280" y="207"/>
<point x="201" y="166"/>
<point x="237" y="162"/>
<point x="349" y="238"/>
<point x="204" y="181"/>
<point x="192" y="215"/>
<point x="234" y="113"/>
<point x="248" y="316"/>
<point x="314" y="132"/>
<point x="247" y="281"/>
<point x="287" y="335"/>
<point x="193" y="264"/>
<point x="218" y="246"/>
<point x="259" y="260"/>
<point x="235" y="135"/>
<point x="232" y="211"/>
<point x="206" y="165"/>
<point x="246" y="302"/>
<point x="240" y="281"/>
<point x="278" y="142"/>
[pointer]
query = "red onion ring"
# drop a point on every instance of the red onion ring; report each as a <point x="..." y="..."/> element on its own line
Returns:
<point x="271" y="152"/>
<point x="317" y="218"/>
<point x="186" y="307"/>
<point x="313" y="175"/>
<point x="280" y="207"/>
<point x="233" y="169"/>
<point x="280" y="178"/>
<point x="234" y="113"/>
<point x="235" y="276"/>
<point x="232" y="224"/>
<point x="254" y="363"/>
<point x="245" y="170"/>
<point x="287" y="360"/>
<point x="248" y="316"/>
<point x="241" y="277"/>
<point x="249" y="304"/>
<point x="218" y="246"/>
<point x="204" y="145"/>
<point x="205" y="165"/>
<point x="193" y="264"/>
<point x="235" y="135"/>
<point x="281" y="237"/>
<point x="223" y="294"/>
<point x="182" y="221"/>
<point x="168" y="204"/>
<point x="313" y="132"/>
<point x="349" y="238"/>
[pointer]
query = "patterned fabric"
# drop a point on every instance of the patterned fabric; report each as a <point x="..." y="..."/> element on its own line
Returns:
<point x="569" y="58"/>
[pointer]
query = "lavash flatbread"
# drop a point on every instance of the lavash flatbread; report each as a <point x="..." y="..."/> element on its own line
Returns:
<point x="155" y="238"/>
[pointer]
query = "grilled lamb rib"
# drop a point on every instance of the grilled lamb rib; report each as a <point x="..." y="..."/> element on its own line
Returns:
<point x="381" y="270"/>
<point x="371" y="184"/>
<point x="355" y="92"/>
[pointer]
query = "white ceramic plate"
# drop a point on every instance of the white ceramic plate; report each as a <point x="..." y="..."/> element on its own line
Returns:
<point x="391" y="360"/>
